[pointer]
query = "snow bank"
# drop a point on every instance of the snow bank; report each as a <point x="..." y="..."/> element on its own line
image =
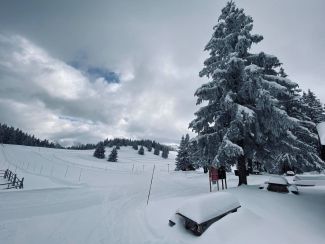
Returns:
<point x="309" y="180"/>
<point x="203" y="208"/>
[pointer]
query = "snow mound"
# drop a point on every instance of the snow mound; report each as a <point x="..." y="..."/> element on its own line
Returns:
<point x="278" y="180"/>
<point x="203" y="208"/>
<point x="309" y="180"/>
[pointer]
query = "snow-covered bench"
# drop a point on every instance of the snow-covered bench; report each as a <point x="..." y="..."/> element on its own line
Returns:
<point x="200" y="212"/>
<point x="279" y="184"/>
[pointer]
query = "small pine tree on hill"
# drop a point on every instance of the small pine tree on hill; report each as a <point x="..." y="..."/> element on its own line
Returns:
<point x="141" y="151"/>
<point x="113" y="156"/>
<point x="100" y="151"/>
<point x="156" y="151"/>
<point x="165" y="152"/>
<point x="135" y="146"/>
<point x="149" y="147"/>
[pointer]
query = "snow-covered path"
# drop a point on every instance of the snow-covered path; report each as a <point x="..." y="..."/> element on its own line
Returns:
<point x="108" y="204"/>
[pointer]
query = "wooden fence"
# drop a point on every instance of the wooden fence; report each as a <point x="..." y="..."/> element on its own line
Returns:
<point x="13" y="180"/>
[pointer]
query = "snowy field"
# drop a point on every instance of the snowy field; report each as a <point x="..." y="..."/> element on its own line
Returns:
<point x="72" y="197"/>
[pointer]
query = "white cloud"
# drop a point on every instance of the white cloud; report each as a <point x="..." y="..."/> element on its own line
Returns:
<point x="49" y="98"/>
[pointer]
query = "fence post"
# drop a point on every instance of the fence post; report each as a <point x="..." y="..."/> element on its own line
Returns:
<point x="21" y="183"/>
<point x="80" y="174"/>
<point x="14" y="180"/>
<point x="52" y="170"/>
<point x="66" y="172"/>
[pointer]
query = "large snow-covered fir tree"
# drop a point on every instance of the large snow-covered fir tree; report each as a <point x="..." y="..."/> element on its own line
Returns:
<point x="243" y="117"/>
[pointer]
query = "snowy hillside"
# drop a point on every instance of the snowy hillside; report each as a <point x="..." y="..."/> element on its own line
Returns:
<point x="72" y="197"/>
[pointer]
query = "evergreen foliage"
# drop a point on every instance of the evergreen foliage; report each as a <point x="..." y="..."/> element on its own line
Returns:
<point x="183" y="160"/>
<point x="149" y="147"/>
<point x="123" y="142"/>
<point x="141" y="151"/>
<point x="100" y="150"/>
<point x="113" y="155"/>
<point x="135" y="146"/>
<point x="247" y="101"/>
<point x="156" y="150"/>
<point x="165" y="153"/>
<point x="11" y="135"/>
<point x="314" y="109"/>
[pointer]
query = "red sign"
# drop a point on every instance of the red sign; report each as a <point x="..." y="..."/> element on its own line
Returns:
<point x="213" y="174"/>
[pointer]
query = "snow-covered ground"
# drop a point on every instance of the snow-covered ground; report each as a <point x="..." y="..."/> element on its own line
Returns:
<point x="72" y="197"/>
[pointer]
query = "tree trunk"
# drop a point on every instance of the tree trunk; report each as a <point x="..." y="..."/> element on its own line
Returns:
<point x="241" y="166"/>
<point x="205" y="169"/>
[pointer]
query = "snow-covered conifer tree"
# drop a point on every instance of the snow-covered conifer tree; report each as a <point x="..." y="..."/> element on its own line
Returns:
<point x="156" y="150"/>
<point x="183" y="161"/>
<point x="141" y="151"/>
<point x="244" y="116"/>
<point x="315" y="110"/>
<point x="165" y="152"/>
<point x="113" y="156"/>
<point x="100" y="150"/>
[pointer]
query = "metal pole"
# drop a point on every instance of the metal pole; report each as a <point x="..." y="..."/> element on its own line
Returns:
<point x="153" y="171"/>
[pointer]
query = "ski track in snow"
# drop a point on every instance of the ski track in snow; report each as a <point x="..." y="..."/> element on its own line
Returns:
<point x="108" y="204"/>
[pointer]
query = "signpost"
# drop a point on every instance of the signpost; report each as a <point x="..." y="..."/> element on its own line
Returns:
<point x="216" y="174"/>
<point x="213" y="177"/>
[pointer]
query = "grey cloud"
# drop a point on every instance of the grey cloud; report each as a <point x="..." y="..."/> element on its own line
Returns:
<point x="155" y="47"/>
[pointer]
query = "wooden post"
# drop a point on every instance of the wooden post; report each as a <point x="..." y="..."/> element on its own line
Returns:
<point x="209" y="174"/>
<point x="14" y="180"/>
<point x="66" y="172"/>
<point x="80" y="174"/>
<point x="21" y="183"/>
<point x="226" y="183"/>
<point x="222" y="183"/>
<point x="153" y="171"/>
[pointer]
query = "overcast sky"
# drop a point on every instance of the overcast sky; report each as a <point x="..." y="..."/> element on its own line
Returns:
<point x="81" y="71"/>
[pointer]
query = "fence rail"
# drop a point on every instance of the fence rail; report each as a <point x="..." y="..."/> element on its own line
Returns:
<point x="13" y="180"/>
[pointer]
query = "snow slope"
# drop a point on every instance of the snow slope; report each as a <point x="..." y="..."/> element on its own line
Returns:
<point x="72" y="197"/>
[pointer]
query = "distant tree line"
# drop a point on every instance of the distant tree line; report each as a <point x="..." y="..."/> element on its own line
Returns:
<point x="149" y="144"/>
<point x="137" y="145"/>
<point x="11" y="135"/>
